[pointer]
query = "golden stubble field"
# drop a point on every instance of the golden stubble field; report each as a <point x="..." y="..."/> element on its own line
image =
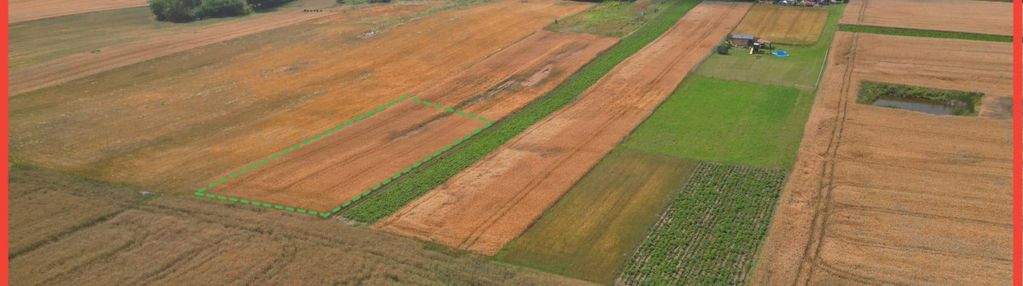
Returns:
<point x="172" y="123"/>
<point x="67" y="230"/>
<point x="888" y="196"/>
<point x="984" y="17"/>
<point x="782" y="24"/>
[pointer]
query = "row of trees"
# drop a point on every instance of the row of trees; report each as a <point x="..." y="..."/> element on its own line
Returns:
<point x="191" y="10"/>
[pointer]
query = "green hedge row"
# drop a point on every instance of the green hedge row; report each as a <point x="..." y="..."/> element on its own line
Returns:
<point x="438" y="171"/>
<point x="962" y="102"/>
<point x="191" y="10"/>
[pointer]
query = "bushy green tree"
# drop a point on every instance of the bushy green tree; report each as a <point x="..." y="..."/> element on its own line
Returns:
<point x="173" y="10"/>
<point x="222" y="8"/>
<point x="190" y="10"/>
<point x="266" y="4"/>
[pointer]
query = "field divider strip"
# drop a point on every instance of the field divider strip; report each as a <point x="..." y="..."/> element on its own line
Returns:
<point x="351" y="202"/>
<point x="911" y="32"/>
<point x="204" y="192"/>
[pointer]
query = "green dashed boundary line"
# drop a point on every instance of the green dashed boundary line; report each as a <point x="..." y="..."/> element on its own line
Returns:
<point x="205" y="191"/>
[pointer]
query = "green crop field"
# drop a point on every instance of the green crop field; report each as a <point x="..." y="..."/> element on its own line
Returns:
<point x="590" y="232"/>
<point x="611" y="18"/>
<point x="710" y="233"/>
<point x="436" y="172"/>
<point x="800" y="69"/>
<point x="727" y="121"/>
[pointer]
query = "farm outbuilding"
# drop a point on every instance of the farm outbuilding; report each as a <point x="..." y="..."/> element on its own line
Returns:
<point x="741" y="40"/>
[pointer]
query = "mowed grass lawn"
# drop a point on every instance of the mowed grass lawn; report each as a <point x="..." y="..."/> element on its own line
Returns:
<point x="727" y="121"/>
<point x="801" y="68"/>
<point x="594" y="228"/>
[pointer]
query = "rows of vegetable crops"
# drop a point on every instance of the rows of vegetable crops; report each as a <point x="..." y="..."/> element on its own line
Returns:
<point x="710" y="233"/>
<point x="409" y="188"/>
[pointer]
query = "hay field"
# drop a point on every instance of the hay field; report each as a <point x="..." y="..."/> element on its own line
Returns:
<point x="593" y="230"/>
<point x="929" y="206"/>
<point x="66" y="230"/>
<point x="367" y="155"/>
<point x="984" y="17"/>
<point x="172" y="123"/>
<point x="784" y="24"/>
<point x="28" y="10"/>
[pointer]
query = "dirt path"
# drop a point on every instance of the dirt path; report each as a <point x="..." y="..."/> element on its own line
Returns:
<point x="985" y="17"/>
<point x="494" y="200"/>
<point x="333" y="170"/>
<point x="26" y="10"/>
<point x="928" y="206"/>
<point x="84" y="64"/>
<point x="172" y="123"/>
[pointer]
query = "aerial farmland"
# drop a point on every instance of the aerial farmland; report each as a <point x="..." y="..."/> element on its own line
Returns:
<point x="510" y="142"/>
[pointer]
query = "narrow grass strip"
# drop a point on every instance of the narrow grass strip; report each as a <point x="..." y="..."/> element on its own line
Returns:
<point x="204" y="190"/>
<point x="923" y="33"/>
<point x="462" y="156"/>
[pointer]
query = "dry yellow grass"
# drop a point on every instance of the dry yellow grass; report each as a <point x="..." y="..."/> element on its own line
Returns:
<point x="786" y="25"/>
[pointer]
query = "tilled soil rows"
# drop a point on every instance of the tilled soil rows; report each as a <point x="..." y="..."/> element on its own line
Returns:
<point x="173" y="123"/>
<point x="984" y="17"/>
<point x="493" y="201"/>
<point x="889" y="196"/>
<point x="347" y="163"/>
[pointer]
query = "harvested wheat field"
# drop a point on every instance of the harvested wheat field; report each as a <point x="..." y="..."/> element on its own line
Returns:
<point x="70" y="231"/>
<point x="784" y="24"/>
<point x="494" y="200"/>
<point x="142" y="45"/>
<point x="172" y="123"/>
<point x="26" y="10"/>
<point x="888" y="196"/>
<point x="984" y="17"/>
<point x="356" y="158"/>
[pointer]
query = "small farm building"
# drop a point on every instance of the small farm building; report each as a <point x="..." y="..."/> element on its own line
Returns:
<point x="741" y="40"/>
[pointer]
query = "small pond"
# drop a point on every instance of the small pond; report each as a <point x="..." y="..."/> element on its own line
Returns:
<point x="921" y="105"/>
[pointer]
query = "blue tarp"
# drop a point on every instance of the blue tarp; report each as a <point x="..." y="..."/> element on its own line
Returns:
<point x="780" y="53"/>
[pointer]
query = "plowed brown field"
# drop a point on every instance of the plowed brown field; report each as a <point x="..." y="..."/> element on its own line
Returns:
<point x="493" y="201"/>
<point x="331" y="171"/>
<point x="172" y="123"/>
<point x="984" y="17"/>
<point x="25" y="10"/>
<point x="888" y="196"/>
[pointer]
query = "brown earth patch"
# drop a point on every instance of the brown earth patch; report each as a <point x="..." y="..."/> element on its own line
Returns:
<point x="984" y="17"/>
<point x="493" y="201"/>
<point x="172" y="123"/>
<point x="26" y="10"/>
<point x="323" y="175"/>
<point x="69" y="231"/>
<point x="888" y="196"/>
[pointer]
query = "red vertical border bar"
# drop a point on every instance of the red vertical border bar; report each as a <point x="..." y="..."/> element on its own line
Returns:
<point x="3" y="149"/>
<point x="1017" y="139"/>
